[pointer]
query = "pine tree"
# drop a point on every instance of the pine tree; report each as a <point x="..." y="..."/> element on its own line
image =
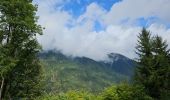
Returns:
<point x="153" y="71"/>
<point x="144" y="51"/>
<point x="161" y="70"/>
<point x="20" y="68"/>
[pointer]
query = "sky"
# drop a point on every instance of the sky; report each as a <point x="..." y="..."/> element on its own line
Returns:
<point x="95" y="28"/>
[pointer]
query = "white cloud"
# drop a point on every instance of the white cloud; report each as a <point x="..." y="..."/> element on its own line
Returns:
<point x="134" y="9"/>
<point x="162" y="31"/>
<point x="80" y="39"/>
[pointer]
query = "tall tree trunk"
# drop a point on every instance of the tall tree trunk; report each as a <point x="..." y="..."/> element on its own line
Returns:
<point x="4" y="89"/>
<point x="1" y="88"/>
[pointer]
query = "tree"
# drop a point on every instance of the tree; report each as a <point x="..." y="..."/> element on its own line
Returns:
<point x="125" y="91"/>
<point x="20" y="68"/>
<point x="161" y="70"/>
<point x="144" y="51"/>
<point x="153" y="69"/>
<point x="70" y="95"/>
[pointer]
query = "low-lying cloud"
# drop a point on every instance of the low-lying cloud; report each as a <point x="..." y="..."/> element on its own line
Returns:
<point x="78" y="36"/>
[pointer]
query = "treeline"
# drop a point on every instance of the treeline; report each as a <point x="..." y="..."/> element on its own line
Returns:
<point x="21" y="73"/>
<point x="122" y="91"/>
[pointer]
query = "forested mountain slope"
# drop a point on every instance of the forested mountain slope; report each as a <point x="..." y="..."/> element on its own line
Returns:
<point x="64" y="73"/>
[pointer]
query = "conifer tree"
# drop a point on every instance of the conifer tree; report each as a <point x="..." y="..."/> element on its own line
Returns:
<point x="144" y="51"/>
<point x="19" y="66"/>
<point x="161" y="69"/>
<point x="153" y="69"/>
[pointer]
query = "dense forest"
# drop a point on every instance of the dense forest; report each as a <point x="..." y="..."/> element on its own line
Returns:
<point x="63" y="73"/>
<point x="24" y="77"/>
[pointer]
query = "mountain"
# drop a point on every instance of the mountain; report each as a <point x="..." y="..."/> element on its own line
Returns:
<point x="121" y="64"/>
<point x="63" y="73"/>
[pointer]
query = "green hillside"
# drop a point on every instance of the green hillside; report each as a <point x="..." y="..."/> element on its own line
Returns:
<point x="65" y="73"/>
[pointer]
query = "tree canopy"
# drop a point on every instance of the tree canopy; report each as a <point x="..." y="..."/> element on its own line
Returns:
<point x="19" y="66"/>
<point x="153" y="71"/>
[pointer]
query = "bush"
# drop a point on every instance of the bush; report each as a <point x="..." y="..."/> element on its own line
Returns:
<point x="124" y="92"/>
<point x="116" y="92"/>
<point x="71" y="95"/>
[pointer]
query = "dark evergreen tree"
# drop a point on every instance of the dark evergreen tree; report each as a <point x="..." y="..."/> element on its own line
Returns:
<point x="144" y="51"/>
<point x="153" y="71"/>
<point x="20" y="68"/>
<point x="161" y="69"/>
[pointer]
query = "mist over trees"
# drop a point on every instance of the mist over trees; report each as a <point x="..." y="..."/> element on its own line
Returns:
<point x="151" y="78"/>
<point x="21" y="72"/>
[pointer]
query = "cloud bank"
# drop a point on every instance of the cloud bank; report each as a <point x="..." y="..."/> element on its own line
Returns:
<point x="98" y="32"/>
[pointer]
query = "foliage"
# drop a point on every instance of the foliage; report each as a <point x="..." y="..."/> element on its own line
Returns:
<point x="144" y="51"/>
<point x="20" y="68"/>
<point x="161" y="70"/>
<point x="125" y="91"/>
<point x="153" y="71"/>
<point x="70" y="95"/>
<point x="63" y="73"/>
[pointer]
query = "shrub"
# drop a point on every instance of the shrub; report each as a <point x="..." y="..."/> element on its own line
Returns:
<point x="124" y="92"/>
<point x="71" y="95"/>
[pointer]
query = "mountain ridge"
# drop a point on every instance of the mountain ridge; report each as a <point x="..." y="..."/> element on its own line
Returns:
<point x="84" y="73"/>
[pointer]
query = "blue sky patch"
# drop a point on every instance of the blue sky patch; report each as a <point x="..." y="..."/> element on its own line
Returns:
<point x="146" y="22"/>
<point x="78" y="7"/>
<point x="98" y="26"/>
